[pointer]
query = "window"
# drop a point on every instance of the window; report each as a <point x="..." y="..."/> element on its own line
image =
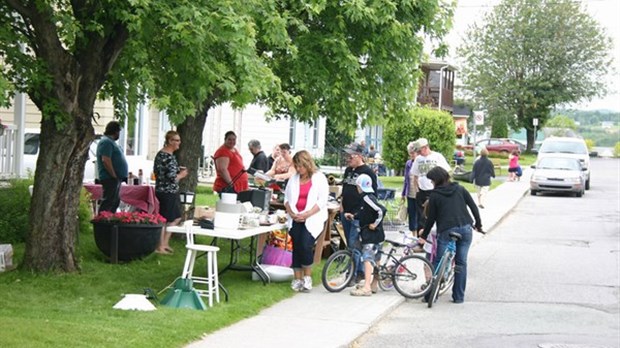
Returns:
<point x="315" y="134"/>
<point x="31" y="144"/>
<point x="291" y="134"/>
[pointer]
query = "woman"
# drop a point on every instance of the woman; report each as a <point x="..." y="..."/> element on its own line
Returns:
<point x="410" y="189"/>
<point x="231" y="175"/>
<point x="513" y="166"/>
<point x="447" y="206"/>
<point x="481" y="174"/>
<point x="274" y="155"/>
<point x="283" y="167"/>
<point x="168" y="173"/>
<point x="306" y="205"/>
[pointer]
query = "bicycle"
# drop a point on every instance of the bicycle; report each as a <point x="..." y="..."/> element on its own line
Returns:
<point x="410" y="275"/>
<point x="207" y="169"/>
<point x="443" y="275"/>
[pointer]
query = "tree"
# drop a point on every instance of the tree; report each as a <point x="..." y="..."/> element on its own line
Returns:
<point x="188" y="56"/>
<point x="349" y="61"/>
<point x="561" y="121"/>
<point x="434" y="125"/>
<point x="64" y="53"/>
<point x="531" y="55"/>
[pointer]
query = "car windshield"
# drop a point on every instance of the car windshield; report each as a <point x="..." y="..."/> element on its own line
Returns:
<point x="563" y="147"/>
<point x="559" y="163"/>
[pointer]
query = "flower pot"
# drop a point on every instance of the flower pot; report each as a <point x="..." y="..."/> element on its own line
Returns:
<point x="128" y="242"/>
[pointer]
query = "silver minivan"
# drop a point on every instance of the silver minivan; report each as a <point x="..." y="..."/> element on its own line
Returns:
<point x="567" y="147"/>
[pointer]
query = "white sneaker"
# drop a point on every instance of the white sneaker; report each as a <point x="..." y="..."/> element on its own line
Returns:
<point x="307" y="283"/>
<point x="297" y="284"/>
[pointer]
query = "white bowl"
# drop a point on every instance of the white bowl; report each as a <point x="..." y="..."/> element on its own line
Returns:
<point x="275" y="273"/>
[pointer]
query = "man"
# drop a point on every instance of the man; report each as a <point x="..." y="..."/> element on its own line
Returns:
<point x="111" y="167"/>
<point x="351" y="199"/>
<point x="260" y="161"/>
<point x="424" y="162"/>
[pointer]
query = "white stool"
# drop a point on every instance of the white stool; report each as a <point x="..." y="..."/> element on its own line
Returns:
<point x="211" y="280"/>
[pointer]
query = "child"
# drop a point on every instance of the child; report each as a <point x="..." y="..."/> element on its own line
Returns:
<point x="370" y="217"/>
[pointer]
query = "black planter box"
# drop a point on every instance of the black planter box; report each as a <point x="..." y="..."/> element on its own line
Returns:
<point x="126" y="242"/>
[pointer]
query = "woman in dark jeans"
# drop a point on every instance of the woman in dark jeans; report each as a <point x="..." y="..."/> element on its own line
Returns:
<point x="447" y="206"/>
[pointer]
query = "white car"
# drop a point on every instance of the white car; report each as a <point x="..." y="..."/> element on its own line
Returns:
<point x="558" y="174"/>
<point x="31" y="153"/>
<point x="569" y="148"/>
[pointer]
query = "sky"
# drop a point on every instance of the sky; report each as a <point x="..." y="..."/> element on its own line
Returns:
<point x="606" y="12"/>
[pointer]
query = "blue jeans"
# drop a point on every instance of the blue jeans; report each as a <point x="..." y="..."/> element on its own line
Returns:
<point x="462" y="249"/>
<point x="412" y="211"/>
<point x="352" y="234"/>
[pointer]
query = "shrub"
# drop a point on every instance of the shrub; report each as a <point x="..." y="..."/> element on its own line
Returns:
<point x="590" y="144"/>
<point x="15" y="208"/>
<point x="617" y="149"/>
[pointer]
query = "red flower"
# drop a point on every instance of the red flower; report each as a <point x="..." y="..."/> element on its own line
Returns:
<point x="129" y="218"/>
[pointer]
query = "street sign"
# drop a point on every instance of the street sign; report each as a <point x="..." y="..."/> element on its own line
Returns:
<point x="535" y="122"/>
<point x="478" y="118"/>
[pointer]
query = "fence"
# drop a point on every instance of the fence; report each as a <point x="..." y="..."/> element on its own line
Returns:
<point x="8" y="142"/>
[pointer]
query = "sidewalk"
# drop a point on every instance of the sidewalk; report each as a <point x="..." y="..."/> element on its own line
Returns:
<point x="324" y="319"/>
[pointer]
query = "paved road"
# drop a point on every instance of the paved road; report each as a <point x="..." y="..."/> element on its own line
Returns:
<point x="548" y="276"/>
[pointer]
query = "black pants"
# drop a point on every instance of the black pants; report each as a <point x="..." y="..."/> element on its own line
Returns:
<point x="420" y="198"/>
<point x="111" y="195"/>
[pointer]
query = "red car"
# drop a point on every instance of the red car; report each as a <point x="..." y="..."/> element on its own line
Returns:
<point x="503" y="145"/>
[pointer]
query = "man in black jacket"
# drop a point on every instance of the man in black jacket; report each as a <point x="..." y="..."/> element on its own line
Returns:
<point x="260" y="161"/>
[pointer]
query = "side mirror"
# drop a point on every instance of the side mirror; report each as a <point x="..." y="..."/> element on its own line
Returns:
<point x="584" y="168"/>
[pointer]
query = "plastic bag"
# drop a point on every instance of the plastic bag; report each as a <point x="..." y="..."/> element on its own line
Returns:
<point x="401" y="215"/>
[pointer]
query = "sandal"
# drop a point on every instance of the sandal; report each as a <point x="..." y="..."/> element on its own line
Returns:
<point x="361" y="292"/>
<point x="163" y="252"/>
<point x="169" y="249"/>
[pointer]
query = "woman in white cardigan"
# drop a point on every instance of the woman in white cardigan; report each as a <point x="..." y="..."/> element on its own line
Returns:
<point x="306" y="205"/>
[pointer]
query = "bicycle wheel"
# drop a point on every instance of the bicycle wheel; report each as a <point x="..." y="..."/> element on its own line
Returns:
<point x="436" y="285"/>
<point x="412" y="276"/>
<point x="338" y="271"/>
<point x="448" y="279"/>
<point x="386" y="279"/>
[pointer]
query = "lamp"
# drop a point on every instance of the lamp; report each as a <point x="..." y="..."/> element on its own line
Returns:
<point x="187" y="197"/>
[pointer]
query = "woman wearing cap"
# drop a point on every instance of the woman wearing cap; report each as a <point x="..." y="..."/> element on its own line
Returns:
<point x="305" y="201"/>
<point x="370" y="217"/>
<point x="447" y="206"/>
<point x="410" y="189"/>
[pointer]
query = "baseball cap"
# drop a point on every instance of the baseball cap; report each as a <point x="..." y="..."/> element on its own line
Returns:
<point x="354" y="149"/>
<point x="364" y="182"/>
<point x="420" y="143"/>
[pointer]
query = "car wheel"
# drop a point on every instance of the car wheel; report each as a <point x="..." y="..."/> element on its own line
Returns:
<point x="533" y="192"/>
<point x="588" y="184"/>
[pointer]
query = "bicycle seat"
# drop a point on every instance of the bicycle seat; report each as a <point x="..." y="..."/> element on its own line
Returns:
<point x="456" y="236"/>
<point x="396" y="244"/>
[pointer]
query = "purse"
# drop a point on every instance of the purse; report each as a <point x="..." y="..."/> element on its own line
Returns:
<point x="401" y="215"/>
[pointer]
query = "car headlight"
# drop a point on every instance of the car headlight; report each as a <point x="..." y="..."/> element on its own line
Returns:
<point x="574" y="179"/>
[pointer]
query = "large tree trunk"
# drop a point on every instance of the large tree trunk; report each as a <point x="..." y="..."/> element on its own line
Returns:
<point x="51" y="244"/>
<point x="190" y="151"/>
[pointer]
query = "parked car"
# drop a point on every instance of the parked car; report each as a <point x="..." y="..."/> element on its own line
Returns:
<point x="567" y="147"/>
<point x="558" y="174"/>
<point x="502" y="145"/>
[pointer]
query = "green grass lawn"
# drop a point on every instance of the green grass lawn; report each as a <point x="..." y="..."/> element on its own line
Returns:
<point x="69" y="310"/>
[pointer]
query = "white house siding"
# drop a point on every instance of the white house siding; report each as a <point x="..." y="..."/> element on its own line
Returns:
<point x="250" y="123"/>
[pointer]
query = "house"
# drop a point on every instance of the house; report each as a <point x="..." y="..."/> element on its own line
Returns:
<point x="436" y="90"/>
<point x="151" y="125"/>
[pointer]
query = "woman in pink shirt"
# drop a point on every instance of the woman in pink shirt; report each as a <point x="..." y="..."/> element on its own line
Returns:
<point x="513" y="166"/>
<point x="306" y="205"/>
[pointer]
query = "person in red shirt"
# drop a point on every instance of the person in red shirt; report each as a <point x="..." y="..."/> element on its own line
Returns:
<point x="229" y="167"/>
